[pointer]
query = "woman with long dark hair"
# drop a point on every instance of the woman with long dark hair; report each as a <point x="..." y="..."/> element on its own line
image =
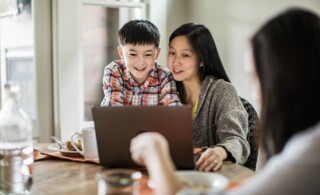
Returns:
<point x="220" y="121"/>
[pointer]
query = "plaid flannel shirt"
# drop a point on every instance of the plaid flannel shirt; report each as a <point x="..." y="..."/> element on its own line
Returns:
<point x="121" y="89"/>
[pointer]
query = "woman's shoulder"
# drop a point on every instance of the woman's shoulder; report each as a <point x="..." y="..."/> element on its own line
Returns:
<point x="305" y="142"/>
<point x="211" y="80"/>
<point x="221" y="93"/>
<point x="306" y="139"/>
<point x="219" y="86"/>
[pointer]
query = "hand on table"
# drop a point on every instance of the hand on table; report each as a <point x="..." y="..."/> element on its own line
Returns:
<point x="211" y="159"/>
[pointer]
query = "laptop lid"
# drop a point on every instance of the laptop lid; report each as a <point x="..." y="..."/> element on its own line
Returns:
<point x="117" y="125"/>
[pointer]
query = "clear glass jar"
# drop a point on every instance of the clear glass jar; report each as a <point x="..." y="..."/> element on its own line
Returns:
<point x="16" y="151"/>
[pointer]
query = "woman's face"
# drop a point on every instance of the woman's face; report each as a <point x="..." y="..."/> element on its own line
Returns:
<point x="182" y="60"/>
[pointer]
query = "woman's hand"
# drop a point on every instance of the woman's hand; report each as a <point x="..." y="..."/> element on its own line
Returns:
<point x="147" y="147"/>
<point x="152" y="150"/>
<point x="211" y="159"/>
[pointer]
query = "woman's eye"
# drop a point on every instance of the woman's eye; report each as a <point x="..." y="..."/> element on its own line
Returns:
<point x="185" y="55"/>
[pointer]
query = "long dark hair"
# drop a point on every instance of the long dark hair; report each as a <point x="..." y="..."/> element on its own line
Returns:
<point x="286" y="52"/>
<point x="202" y="43"/>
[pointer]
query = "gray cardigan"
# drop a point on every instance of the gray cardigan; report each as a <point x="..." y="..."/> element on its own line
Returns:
<point x="221" y="120"/>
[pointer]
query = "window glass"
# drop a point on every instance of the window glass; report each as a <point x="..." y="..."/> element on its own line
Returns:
<point x="16" y="49"/>
<point x="20" y="67"/>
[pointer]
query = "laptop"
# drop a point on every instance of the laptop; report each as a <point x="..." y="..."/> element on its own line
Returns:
<point x="117" y="125"/>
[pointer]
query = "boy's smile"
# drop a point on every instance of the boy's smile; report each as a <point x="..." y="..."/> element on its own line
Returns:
<point x="139" y="59"/>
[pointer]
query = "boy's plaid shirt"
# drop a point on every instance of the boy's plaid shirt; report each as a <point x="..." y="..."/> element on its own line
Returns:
<point x="121" y="89"/>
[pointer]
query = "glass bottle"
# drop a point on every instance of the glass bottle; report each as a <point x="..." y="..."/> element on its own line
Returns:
<point x="16" y="151"/>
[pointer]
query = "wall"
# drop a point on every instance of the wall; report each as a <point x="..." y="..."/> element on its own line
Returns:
<point x="231" y="23"/>
<point x="166" y="15"/>
<point x="158" y="15"/>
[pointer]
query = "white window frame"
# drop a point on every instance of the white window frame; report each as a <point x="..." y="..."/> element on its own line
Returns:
<point x="41" y="11"/>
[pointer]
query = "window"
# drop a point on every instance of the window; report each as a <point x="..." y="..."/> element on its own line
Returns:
<point x="17" y="53"/>
<point x="8" y="8"/>
<point x="20" y="67"/>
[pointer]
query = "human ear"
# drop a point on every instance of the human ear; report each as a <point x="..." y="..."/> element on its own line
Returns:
<point x="158" y="52"/>
<point x="120" y="51"/>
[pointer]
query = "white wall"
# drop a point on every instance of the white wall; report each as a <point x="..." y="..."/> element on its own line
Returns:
<point x="232" y="22"/>
<point x="166" y="15"/>
<point x="158" y="16"/>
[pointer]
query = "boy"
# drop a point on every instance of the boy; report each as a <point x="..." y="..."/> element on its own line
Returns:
<point x="137" y="79"/>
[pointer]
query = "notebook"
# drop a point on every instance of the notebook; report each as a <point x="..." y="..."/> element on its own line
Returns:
<point x="117" y="125"/>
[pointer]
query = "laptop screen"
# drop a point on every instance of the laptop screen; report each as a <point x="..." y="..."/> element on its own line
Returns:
<point x="116" y="126"/>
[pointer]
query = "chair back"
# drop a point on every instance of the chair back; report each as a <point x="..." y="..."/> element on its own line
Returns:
<point x="252" y="136"/>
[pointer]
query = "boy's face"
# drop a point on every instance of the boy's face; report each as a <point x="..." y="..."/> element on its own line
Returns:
<point x="139" y="59"/>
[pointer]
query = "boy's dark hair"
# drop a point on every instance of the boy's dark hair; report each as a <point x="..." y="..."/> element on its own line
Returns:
<point x="139" y="32"/>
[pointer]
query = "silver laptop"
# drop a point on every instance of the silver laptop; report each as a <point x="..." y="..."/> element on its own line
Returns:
<point x="117" y="125"/>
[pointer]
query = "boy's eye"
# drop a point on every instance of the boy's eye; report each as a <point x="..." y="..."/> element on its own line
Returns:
<point x="132" y="54"/>
<point x="171" y="53"/>
<point x="148" y="54"/>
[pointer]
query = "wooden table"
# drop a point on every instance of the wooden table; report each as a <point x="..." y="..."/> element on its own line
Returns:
<point x="55" y="176"/>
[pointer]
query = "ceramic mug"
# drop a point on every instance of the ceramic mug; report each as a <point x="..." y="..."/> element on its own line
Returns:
<point x="89" y="143"/>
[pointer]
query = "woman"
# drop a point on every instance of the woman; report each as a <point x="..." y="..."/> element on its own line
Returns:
<point x="286" y="58"/>
<point x="220" y="121"/>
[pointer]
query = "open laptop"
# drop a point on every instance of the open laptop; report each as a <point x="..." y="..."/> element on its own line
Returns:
<point x="117" y="125"/>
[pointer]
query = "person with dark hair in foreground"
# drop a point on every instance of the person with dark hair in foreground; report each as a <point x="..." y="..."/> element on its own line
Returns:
<point x="286" y="65"/>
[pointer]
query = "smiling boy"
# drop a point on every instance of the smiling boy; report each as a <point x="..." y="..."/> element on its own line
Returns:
<point x="137" y="79"/>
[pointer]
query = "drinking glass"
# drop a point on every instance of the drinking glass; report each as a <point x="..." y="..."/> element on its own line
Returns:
<point x="118" y="181"/>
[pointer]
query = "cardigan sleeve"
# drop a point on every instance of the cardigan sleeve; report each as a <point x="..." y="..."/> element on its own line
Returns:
<point x="231" y="121"/>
